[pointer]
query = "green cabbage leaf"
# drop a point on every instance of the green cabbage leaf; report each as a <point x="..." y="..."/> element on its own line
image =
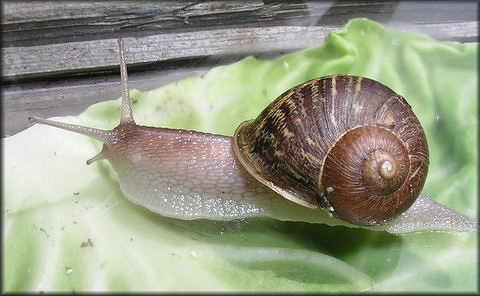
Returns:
<point x="67" y="227"/>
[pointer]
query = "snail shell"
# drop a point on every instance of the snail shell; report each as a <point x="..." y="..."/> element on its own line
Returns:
<point x="344" y="143"/>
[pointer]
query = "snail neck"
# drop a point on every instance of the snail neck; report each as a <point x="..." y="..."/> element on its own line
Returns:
<point x="175" y="155"/>
<point x="153" y="165"/>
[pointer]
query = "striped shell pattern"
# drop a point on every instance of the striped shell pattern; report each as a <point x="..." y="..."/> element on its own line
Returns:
<point x="347" y="144"/>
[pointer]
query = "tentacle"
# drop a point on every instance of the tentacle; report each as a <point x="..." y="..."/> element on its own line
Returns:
<point x="127" y="115"/>
<point x="101" y="135"/>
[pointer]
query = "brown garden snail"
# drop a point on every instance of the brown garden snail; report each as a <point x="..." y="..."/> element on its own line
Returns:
<point x="342" y="143"/>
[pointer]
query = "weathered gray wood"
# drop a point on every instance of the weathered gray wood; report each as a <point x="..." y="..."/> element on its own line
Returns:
<point x="114" y="19"/>
<point x="55" y="59"/>
<point x="24" y="62"/>
<point x="35" y="11"/>
<point x="61" y="22"/>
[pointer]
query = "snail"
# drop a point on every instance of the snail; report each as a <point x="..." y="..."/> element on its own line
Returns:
<point x="341" y="145"/>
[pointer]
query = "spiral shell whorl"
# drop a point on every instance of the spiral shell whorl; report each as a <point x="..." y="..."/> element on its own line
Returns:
<point x="380" y="173"/>
<point x="353" y="172"/>
<point x="299" y="146"/>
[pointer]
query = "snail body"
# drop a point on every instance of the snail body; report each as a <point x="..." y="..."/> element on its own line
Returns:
<point x="345" y="144"/>
<point x="183" y="174"/>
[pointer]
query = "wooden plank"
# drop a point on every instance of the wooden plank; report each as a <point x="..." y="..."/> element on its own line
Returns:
<point x="17" y="12"/>
<point x="55" y="59"/>
<point x="95" y="55"/>
<point x="72" y="21"/>
<point x="60" y="22"/>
